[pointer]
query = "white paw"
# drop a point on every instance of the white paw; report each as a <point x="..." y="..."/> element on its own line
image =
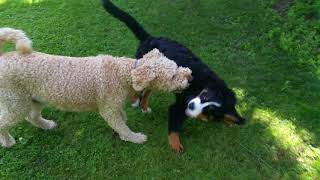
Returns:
<point x="137" y="138"/>
<point x="48" y="124"/>
<point x="146" y="111"/>
<point x="7" y="141"/>
<point x="136" y="103"/>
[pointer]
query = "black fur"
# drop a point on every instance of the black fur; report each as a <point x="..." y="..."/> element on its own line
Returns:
<point x="203" y="77"/>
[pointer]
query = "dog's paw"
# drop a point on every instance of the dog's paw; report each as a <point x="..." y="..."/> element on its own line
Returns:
<point x="174" y="142"/>
<point x="48" y="124"/>
<point x="136" y="103"/>
<point x="148" y="110"/>
<point x="137" y="138"/>
<point x="7" y="141"/>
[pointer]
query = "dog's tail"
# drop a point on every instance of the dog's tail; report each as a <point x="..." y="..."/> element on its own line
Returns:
<point x="18" y="37"/>
<point x="133" y="25"/>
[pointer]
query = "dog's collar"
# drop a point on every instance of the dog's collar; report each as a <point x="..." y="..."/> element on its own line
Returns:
<point x="136" y="64"/>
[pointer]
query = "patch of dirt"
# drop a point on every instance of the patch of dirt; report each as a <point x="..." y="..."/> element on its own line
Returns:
<point x="282" y="7"/>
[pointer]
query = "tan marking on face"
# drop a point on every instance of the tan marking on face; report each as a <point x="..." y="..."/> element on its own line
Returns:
<point x="202" y="117"/>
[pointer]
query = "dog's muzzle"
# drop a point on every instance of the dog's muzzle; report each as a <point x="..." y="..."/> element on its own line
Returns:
<point x="195" y="107"/>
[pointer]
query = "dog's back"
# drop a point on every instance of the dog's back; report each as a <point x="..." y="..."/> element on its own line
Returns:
<point x="54" y="79"/>
<point x="50" y="78"/>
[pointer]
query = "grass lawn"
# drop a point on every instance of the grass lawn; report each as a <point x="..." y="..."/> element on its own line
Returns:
<point x="279" y="98"/>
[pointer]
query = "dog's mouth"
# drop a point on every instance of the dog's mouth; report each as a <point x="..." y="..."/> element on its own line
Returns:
<point x="181" y="84"/>
<point x="180" y="89"/>
<point x="182" y="79"/>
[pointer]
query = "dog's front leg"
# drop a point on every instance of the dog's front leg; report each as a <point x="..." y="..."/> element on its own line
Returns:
<point x="116" y="120"/>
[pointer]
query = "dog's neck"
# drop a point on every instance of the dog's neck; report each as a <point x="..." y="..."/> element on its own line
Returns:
<point x="122" y="67"/>
<point x="125" y="71"/>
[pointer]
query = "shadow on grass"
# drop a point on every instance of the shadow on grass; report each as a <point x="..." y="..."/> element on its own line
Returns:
<point x="292" y="152"/>
<point x="286" y="104"/>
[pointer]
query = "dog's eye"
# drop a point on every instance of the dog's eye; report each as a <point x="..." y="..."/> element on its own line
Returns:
<point x="205" y="98"/>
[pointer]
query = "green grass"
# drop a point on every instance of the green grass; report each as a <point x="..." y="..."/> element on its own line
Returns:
<point x="279" y="98"/>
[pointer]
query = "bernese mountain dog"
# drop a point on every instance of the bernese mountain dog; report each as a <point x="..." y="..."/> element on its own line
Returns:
<point x="208" y="97"/>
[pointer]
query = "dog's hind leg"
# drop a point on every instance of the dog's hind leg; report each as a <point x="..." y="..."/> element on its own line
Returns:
<point x="116" y="120"/>
<point x="11" y="112"/>
<point x="35" y="118"/>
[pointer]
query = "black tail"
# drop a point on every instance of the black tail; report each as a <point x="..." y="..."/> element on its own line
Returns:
<point x="133" y="25"/>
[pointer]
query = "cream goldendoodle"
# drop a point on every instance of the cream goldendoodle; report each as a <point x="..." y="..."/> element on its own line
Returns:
<point x="28" y="80"/>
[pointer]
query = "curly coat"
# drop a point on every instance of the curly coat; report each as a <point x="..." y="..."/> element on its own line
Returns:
<point x="28" y="80"/>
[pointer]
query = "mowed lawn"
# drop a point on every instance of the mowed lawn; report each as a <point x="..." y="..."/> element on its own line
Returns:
<point x="280" y="99"/>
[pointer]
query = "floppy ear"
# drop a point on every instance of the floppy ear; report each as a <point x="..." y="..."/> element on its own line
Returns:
<point x="141" y="77"/>
<point x="153" y="54"/>
<point x="230" y="98"/>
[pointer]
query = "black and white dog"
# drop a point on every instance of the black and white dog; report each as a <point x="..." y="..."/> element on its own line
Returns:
<point x="207" y="97"/>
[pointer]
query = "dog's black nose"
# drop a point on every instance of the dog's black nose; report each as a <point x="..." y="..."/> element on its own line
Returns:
<point x="191" y="106"/>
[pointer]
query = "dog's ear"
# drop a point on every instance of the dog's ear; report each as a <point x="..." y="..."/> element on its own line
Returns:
<point x="230" y="98"/>
<point x="141" y="77"/>
<point x="153" y="54"/>
<point x="144" y="73"/>
<point x="231" y="114"/>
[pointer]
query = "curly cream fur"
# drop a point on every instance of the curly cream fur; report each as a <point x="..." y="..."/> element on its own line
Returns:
<point x="28" y="80"/>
